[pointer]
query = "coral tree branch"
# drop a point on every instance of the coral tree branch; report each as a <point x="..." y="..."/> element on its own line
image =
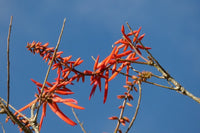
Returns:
<point x="166" y="75"/>
<point x="8" y="62"/>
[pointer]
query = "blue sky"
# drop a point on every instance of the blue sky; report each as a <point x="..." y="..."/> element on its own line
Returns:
<point x="172" y="30"/>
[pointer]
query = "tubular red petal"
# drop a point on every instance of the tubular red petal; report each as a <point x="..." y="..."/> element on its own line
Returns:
<point x="37" y="83"/>
<point x="66" y="59"/>
<point x="93" y="90"/>
<point x="99" y="83"/>
<point x="116" y="73"/>
<point x="141" y="37"/>
<point x="58" y="99"/>
<point x="74" y="105"/>
<point x="43" y="114"/>
<point x="87" y="72"/>
<point x="76" y="62"/>
<point x="49" y="84"/>
<point x="114" y="68"/>
<point x="127" y="72"/>
<point x="61" y="92"/>
<point x="110" y="56"/>
<point x="141" y="47"/>
<point x="66" y="75"/>
<point x="121" y="46"/>
<point x="60" y="114"/>
<point x="46" y="44"/>
<point x="83" y="78"/>
<point x="53" y="87"/>
<point x="25" y="107"/>
<point x="96" y="63"/>
<point x="132" y="33"/>
<point x="113" y="118"/>
<point x="126" y="47"/>
<point x="118" y="41"/>
<point x="136" y="35"/>
<point x="106" y="86"/>
<point x="124" y="54"/>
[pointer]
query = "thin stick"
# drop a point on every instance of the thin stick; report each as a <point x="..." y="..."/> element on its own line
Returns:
<point x="137" y="108"/>
<point x="8" y="63"/>
<point x="54" y="55"/>
<point x="163" y="86"/>
<point x="14" y="109"/>
<point x="122" y="111"/>
<point x="2" y="128"/>
<point x="47" y="74"/>
<point x="81" y="124"/>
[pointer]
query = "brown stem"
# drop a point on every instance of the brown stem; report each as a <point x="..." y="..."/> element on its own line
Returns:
<point x="13" y="118"/>
<point x="81" y="124"/>
<point x="47" y="74"/>
<point x="8" y="63"/>
<point x="122" y="111"/>
<point x="137" y="108"/>
<point x="2" y="128"/>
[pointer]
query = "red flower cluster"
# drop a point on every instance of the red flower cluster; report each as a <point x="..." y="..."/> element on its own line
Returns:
<point x="67" y="73"/>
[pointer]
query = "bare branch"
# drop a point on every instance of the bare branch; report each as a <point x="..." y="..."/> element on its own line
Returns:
<point x="137" y="108"/>
<point x="13" y="118"/>
<point x="81" y="124"/>
<point x="8" y="62"/>
<point x="122" y="110"/>
<point x="47" y="74"/>
<point x="2" y="128"/>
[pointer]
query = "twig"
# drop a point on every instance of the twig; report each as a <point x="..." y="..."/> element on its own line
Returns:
<point x="13" y="118"/>
<point x="8" y="63"/>
<point x="163" y="86"/>
<point x="14" y="109"/>
<point x="81" y="124"/>
<point x="50" y="65"/>
<point x="2" y="128"/>
<point x="137" y="108"/>
<point x="122" y="111"/>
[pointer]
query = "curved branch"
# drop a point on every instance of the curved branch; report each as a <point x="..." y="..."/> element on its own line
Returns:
<point x="137" y="108"/>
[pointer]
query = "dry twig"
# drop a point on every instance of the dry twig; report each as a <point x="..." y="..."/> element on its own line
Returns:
<point x="81" y="124"/>
<point x="8" y="62"/>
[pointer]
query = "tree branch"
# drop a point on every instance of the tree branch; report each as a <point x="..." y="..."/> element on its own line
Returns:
<point x="2" y="128"/>
<point x="50" y="65"/>
<point x="137" y="108"/>
<point x="81" y="124"/>
<point x="13" y="118"/>
<point x="166" y="75"/>
<point x="8" y="63"/>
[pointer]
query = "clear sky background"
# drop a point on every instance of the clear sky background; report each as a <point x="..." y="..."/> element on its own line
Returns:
<point x="172" y="29"/>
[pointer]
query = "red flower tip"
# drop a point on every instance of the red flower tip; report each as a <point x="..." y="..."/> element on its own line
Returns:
<point x="122" y="29"/>
<point x="129" y="104"/>
<point x="37" y="83"/>
<point x="120" y="96"/>
<point x="113" y="118"/>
